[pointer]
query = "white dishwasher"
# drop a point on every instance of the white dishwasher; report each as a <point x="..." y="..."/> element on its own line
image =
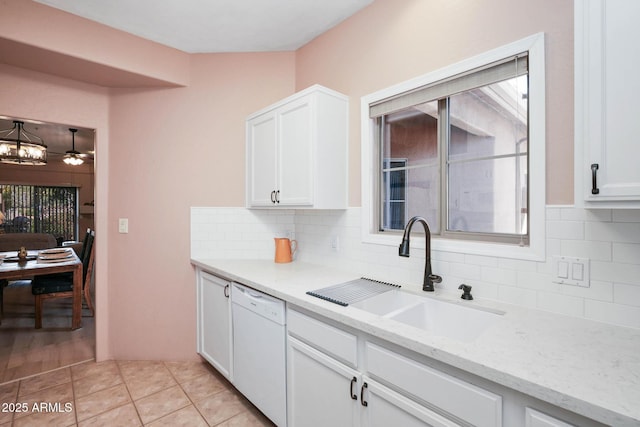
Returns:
<point x="259" y="349"/>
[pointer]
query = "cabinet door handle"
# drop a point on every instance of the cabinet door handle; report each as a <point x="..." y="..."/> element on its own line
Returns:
<point x="278" y="196"/>
<point x="594" y="181"/>
<point x="362" y="401"/>
<point x="226" y="291"/>
<point x="354" y="396"/>
<point x="273" y="196"/>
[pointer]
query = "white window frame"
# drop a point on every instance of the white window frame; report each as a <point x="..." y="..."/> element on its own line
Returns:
<point x="535" y="251"/>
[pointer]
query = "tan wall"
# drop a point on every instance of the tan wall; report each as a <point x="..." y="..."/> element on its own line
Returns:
<point x="394" y="40"/>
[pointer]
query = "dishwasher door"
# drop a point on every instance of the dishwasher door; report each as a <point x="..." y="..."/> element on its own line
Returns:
<point x="259" y="350"/>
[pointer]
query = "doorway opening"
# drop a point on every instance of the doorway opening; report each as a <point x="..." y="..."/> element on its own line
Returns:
<point x="57" y="199"/>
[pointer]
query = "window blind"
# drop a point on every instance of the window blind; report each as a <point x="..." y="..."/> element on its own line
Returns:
<point x="492" y="73"/>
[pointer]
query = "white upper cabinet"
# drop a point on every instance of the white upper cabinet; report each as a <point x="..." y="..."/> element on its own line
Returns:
<point x="297" y="152"/>
<point x="607" y="127"/>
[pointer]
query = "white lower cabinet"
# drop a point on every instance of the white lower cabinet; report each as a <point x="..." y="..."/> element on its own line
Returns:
<point x="385" y="407"/>
<point x="214" y="322"/>
<point x="320" y="390"/>
<point x="323" y="390"/>
<point x="339" y="376"/>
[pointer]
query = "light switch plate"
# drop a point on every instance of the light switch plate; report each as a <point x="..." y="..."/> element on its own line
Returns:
<point x="123" y="225"/>
<point x="571" y="271"/>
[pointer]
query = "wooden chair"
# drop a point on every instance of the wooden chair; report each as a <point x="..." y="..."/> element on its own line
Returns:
<point x="61" y="285"/>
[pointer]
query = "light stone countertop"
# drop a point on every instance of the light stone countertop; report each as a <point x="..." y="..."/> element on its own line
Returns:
<point x="583" y="366"/>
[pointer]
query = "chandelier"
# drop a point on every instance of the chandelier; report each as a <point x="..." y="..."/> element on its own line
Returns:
<point x="72" y="157"/>
<point x="17" y="146"/>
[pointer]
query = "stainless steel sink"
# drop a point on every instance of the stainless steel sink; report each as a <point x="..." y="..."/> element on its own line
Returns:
<point x="443" y="318"/>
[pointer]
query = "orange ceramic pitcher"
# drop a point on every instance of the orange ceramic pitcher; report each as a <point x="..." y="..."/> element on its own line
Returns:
<point x="285" y="249"/>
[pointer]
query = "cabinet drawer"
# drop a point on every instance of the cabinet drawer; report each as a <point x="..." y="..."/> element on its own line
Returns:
<point x="333" y="341"/>
<point x="461" y="399"/>
<point x="534" y="418"/>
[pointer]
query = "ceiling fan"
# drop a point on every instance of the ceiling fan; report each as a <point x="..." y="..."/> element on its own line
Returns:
<point x="73" y="157"/>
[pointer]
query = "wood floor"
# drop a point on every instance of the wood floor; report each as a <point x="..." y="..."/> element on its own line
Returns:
<point x="26" y="351"/>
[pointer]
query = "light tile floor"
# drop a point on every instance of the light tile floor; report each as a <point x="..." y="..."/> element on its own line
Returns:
<point x="127" y="393"/>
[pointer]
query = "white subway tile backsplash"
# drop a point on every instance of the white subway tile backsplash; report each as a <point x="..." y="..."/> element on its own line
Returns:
<point x="618" y="314"/>
<point x="516" y="264"/>
<point x="626" y="252"/>
<point x="500" y="276"/>
<point x="563" y="304"/>
<point x="565" y="230"/>
<point x="626" y="294"/>
<point x="481" y="260"/>
<point x="536" y="281"/>
<point x="610" y="239"/>
<point x="483" y="289"/>
<point x="600" y="251"/>
<point x="613" y="232"/>
<point x="466" y="271"/>
<point x="615" y="272"/>
<point x="597" y="290"/>
<point x="518" y="296"/>
<point x="599" y="215"/>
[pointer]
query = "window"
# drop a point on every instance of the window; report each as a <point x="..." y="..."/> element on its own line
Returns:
<point x="464" y="148"/>
<point x="39" y="209"/>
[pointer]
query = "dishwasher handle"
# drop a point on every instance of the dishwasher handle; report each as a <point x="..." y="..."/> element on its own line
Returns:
<point x="247" y="292"/>
<point x="262" y="304"/>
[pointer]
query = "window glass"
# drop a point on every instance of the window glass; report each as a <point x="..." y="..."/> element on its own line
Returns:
<point x="39" y="209"/>
<point x="487" y="159"/>
<point x="472" y="146"/>
<point x="410" y="168"/>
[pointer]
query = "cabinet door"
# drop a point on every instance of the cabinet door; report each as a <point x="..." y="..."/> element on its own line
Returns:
<point x="388" y="408"/>
<point x="261" y="160"/>
<point x="320" y="390"/>
<point x="214" y="322"/>
<point x="295" y="152"/>
<point x="606" y="92"/>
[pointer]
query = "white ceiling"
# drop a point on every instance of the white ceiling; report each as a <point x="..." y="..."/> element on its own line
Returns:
<point x="205" y="26"/>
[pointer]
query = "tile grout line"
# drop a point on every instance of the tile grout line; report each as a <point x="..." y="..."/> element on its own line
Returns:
<point x="186" y="394"/>
<point x="135" y="408"/>
<point x="47" y="372"/>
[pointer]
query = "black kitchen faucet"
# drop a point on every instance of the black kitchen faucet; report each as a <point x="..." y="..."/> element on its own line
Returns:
<point x="403" y="250"/>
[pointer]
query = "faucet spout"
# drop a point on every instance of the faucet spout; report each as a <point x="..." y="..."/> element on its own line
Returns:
<point x="403" y="250"/>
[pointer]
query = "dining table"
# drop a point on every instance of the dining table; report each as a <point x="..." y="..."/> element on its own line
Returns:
<point x="14" y="269"/>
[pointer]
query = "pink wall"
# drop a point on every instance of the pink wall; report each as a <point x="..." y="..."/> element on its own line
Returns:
<point x="45" y="39"/>
<point x="172" y="149"/>
<point x="38" y="96"/>
<point x="394" y="40"/>
<point x="162" y="150"/>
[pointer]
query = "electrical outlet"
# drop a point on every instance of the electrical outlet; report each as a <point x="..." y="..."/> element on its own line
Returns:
<point x="571" y="271"/>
